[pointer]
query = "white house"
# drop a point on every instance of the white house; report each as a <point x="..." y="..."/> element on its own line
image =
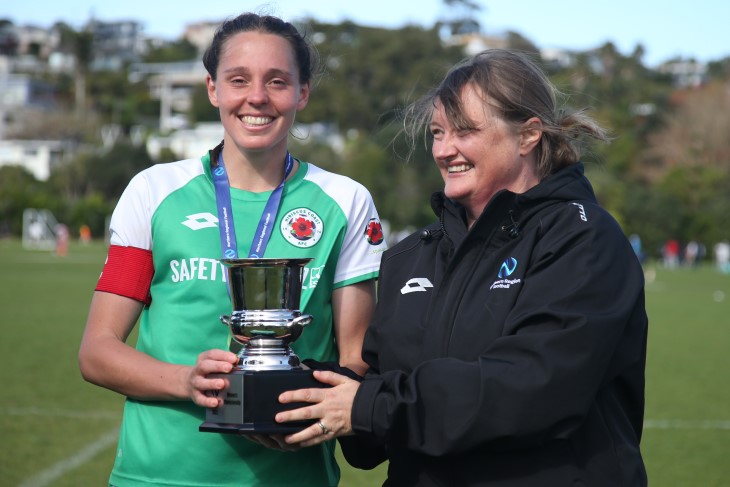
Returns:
<point x="37" y="156"/>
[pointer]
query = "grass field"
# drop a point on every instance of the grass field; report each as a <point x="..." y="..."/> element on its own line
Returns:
<point x="57" y="430"/>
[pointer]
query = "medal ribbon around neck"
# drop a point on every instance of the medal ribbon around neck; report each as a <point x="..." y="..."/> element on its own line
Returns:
<point x="261" y="238"/>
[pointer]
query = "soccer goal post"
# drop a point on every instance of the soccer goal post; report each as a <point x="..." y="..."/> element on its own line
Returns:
<point x="39" y="229"/>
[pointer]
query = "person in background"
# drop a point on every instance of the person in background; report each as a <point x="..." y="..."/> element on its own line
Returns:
<point x="85" y="234"/>
<point x="163" y="268"/>
<point x="635" y="241"/>
<point x="508" y="344"/>
<point x="722" y="256"/>
<point x="670" y="253"/>
<point x="692" y="253"/>
<point x="62" y="237"/>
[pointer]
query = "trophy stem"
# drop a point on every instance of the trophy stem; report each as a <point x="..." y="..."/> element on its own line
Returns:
<point x="267" y="354"/>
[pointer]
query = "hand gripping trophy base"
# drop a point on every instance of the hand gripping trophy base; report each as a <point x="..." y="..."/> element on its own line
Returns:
<point x="252" y="400"/>
<point x="265" y="295"/>
<point x="266" y="368"/>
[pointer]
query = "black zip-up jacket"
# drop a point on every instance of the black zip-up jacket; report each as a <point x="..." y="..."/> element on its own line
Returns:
<point x="509" y="354"/>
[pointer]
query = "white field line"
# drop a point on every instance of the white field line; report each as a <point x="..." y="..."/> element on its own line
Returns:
<point x="82" y="456"/>
<point x="58" y="469"/>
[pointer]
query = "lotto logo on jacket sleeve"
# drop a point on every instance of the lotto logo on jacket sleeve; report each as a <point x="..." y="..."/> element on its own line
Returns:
<point x="417" y="284"/>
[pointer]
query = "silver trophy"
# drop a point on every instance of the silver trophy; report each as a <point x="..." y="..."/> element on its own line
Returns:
<point x="265" y="294"/>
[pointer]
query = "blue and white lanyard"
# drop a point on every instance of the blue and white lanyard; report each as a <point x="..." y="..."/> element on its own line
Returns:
<point x="225" y="212"/>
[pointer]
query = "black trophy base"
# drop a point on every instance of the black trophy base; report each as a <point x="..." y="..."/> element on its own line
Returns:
<point x="252" y="400"/>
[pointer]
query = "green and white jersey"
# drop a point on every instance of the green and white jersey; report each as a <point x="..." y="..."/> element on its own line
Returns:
<point x="171" y="210"/>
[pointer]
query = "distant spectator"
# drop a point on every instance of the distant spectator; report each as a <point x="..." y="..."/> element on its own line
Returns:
<point x="635" y="241"/>
<point x="722" y="257"/>
<point x="692" y="253"/>
<point x="85" y="234"/>
<point x="61" y="239"/>
<point x="671" y="254"/>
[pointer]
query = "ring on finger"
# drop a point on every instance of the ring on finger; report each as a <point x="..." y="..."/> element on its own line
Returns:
<point x="325" y="429"/>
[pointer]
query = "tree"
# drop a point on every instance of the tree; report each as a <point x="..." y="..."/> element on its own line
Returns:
<point x="20" y="190"/>
<point x="459" y="18"/>
<point x="103" y="172"/>
<point x="110" y="172"/>
<point x="695" y="133"/>
<point x="81" y="45"/>
<point x="181" y="50"/>
<point x="719" y="69"/>
<point x="200" y="108"/>
<point x="664" y="139"/>
<point x="8" y="38"/>
<point x="515" y="40"/>
<point x="55" y="125"/>
<point x="360" y="88"/>
<point x="120" y="102"/>
<point x="703" y="208"/>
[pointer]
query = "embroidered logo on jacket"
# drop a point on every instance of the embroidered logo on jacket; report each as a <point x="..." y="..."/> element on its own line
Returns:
<point x="302" y="227"/>
<point x="507" y="268"/>
<point x="417" y="284"/>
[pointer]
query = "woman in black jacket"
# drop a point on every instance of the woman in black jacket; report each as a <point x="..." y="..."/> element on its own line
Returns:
<point x="508" y="344"/>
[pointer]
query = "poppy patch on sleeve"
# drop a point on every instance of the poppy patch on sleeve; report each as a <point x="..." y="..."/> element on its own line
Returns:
<point x="374" y="232"/>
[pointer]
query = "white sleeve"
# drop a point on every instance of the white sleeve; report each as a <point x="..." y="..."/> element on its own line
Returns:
<point x="131" y="222"/>
<point x="363" y="243"/>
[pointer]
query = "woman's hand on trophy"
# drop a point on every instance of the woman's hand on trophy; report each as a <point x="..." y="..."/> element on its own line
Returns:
<point x="331" y="407"/>
<point x="275" y="442"/>
<point x="203" y="390"/>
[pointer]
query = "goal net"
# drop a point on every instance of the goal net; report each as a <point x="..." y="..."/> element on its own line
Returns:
<point x="39" y="229"/>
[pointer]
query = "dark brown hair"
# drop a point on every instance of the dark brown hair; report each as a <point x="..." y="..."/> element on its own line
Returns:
<point x="304" y="54"/>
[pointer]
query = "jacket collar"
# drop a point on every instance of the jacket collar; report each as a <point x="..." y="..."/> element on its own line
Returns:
<point x="507" y="209"/>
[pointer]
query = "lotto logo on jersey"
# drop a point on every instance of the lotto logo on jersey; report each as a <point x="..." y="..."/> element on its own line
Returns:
<point x="302" y="227"/>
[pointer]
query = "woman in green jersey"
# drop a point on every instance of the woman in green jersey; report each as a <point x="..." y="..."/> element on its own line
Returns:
<point x="163" y="271"/>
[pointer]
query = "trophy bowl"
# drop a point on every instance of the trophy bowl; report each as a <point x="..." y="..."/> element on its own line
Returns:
<point x="265" y="284"/>
<point x="265" y="294"/>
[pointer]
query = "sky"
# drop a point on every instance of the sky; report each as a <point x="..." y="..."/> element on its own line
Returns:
<point x="698" y="29"/>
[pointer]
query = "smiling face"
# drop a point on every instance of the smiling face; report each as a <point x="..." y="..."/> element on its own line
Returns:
<point x="493" y="155"/>
<point x="258" y="92"/>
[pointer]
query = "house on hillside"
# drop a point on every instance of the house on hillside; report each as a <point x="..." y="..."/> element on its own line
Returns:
<point x="39" y="157"/>
<point x="115" y="44"/>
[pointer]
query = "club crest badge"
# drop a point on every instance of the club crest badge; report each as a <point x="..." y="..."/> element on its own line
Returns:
<point x="302" y="227"/>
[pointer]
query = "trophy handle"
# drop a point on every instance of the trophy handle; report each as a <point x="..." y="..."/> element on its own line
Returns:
<point x="227" y="320"/>
<point x="296" y="325"/>
<point x="294" y="328"/>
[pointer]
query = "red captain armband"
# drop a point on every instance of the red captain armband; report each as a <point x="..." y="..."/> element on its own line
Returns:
<point x="127" y="272"/>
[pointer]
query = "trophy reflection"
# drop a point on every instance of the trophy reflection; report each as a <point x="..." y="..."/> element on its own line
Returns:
<point x="265" y="294"/>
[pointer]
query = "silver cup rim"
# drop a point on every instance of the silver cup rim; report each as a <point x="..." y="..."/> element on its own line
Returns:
<point x="266" y="262"/>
